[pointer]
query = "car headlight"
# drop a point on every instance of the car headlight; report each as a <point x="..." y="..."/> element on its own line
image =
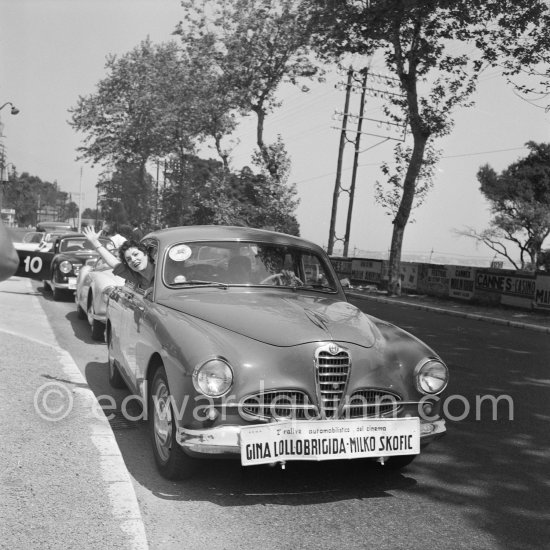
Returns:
<point x="431" y="376"/>
<point x="213" y="377"/>
<point x="65" y="266"/>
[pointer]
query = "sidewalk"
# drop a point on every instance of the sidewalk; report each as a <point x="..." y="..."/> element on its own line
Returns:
<point x="502" y="315"/>
<point x="63" y="482"/>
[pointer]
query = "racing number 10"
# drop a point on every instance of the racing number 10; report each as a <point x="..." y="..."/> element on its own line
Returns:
<point x="33" y="264"/>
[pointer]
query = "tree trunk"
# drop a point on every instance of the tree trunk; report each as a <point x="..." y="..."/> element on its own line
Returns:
<point x="403" y="213"/>
<point x="268" y="161"/>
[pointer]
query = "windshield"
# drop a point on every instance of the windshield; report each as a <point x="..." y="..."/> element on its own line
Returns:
<point x="81" y="243"/>
<point x="246" y="263"/>
<point x="33" y="237"/>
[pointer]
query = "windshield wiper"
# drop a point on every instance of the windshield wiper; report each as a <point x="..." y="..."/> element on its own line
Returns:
<point x="196" y="282"/>
<point x="318" y="286"/>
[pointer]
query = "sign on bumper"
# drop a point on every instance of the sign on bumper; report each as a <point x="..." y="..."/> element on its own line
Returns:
<point x="329" y="440"/>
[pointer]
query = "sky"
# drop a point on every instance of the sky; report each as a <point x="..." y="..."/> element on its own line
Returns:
<point x="53" y="51"/>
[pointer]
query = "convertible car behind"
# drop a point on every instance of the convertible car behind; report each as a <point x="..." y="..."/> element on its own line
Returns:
<point x="245" y="346"/>
<point x="94" y="280"/>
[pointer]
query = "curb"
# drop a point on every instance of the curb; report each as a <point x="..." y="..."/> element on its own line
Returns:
<point x="463" y="314"/>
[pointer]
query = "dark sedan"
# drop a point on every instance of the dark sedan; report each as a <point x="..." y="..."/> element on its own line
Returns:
<point x="70" y="252"/>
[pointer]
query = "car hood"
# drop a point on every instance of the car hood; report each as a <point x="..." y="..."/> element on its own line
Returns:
<point x="278" y="319"/>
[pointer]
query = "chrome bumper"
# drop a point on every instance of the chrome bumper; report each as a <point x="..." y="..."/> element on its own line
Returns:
<point x="227" y="440"/>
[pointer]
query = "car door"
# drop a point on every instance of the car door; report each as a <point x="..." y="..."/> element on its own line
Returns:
<point x="118" y="312"/>
<point x="137" y="337"/>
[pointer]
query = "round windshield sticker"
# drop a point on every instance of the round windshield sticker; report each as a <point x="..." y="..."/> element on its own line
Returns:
<point x="180" y="253"/>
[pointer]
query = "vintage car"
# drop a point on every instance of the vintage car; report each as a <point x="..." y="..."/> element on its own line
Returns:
<point x="95" y="280"/>
<point x="48" y="240"/>
<point x="70" y="252"/>
<point x="245" y="346"/>
<point x="49" y="227"/>
<point x="38" y="241"/>
<point x="31" y="241"/>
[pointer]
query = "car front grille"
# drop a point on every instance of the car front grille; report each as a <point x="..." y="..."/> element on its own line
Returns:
<point x="369" y="402"/>
<point x="333" y="365"/>
<point x="279" y="405"/>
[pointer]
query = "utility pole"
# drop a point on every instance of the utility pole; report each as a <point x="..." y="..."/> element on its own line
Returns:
<point x="381" y="88"/>
<point x="79" y="226"/>
<point x="337" y="184"/>
<point x="355" y="162"/>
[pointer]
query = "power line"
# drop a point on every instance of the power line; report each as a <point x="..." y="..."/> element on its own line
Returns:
<point x="443" y="157"/>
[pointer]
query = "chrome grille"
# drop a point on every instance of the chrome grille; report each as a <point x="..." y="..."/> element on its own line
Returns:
<point x="370" y="402"/>
<point x="279" y="405"/>
<point x="333" y="367"/>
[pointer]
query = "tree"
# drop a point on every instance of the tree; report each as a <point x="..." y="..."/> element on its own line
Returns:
<point x="143" y="109"/>
<point x="27" y="194"/>
<point x="124" y="196"/>
<point x="423" y="45"/>
<point x="89" y="213"/>
<point x="520" y="203"/>
<point x="255" y="46"/>
<point x="520" y="44"/>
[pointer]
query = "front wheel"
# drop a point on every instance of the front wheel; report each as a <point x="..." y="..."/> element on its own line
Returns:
<point x="171" y="461"/>
<point x="58" y="294"/>
<point x="80" y="312"/>
<point x="398" y="462"/>
<point x="115" y="378"/>
<point x="98" y="328"/>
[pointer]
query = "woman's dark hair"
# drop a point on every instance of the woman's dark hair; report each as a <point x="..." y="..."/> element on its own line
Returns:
<point x="131" y="244"/>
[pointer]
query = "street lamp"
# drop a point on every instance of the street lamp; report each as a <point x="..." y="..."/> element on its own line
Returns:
<point x="14" y="109"/>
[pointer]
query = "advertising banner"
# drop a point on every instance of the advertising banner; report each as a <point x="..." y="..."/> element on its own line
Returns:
<point x="409" y="276"/>
<point x="542" y="292"/>
<point x="433" y="279"/>
<point x="461" y="281"/>
<point x="515" y="289"/>
<point x="366" y="271"/>
<point x="342" y="266"/>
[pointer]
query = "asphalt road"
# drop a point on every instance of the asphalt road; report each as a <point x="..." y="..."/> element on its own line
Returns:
<point x="484" y="486"/>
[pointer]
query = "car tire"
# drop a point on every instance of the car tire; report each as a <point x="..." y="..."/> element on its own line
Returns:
<point x="58" y="294"/>
<point x="115" y="378"/>
<point x="80" y="312"/>
<point x="98" y="328"/>
<point x="398" y="462"/>
<point x="171" y="460"/>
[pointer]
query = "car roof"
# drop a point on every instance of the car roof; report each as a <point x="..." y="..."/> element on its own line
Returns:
<point x="229" y="233"/>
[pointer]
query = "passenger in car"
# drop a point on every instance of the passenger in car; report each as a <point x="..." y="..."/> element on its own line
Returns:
<point x="133" y="264"/>
<point x="110" y="230"/>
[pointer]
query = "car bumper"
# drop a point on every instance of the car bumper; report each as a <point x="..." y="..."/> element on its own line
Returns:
<point x="226" y="439"/>
<point x="69" y="285"/>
